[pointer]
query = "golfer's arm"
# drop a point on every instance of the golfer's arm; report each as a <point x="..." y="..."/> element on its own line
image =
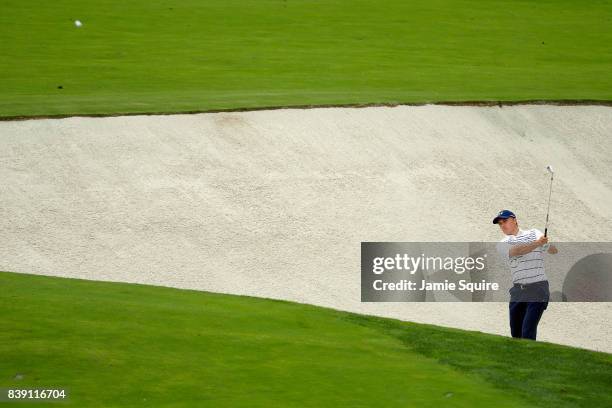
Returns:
<point x="517" y="250"/>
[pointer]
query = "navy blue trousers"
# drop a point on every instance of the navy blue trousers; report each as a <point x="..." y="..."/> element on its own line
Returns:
<point x="527" y="304"/>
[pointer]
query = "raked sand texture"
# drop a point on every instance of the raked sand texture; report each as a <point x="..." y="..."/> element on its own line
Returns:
<point x="276" y="203"/>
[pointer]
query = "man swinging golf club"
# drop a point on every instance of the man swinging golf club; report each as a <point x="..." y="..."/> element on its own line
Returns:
<point x="523" y="250"/>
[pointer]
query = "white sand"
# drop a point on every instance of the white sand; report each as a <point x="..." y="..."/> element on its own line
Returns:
<point x="276" y="203"/>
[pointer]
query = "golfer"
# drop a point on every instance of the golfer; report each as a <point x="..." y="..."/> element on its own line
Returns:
<point x="523" y="250"/>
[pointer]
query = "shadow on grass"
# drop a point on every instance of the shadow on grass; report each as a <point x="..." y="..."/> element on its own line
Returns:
<point x="545" y="374"/>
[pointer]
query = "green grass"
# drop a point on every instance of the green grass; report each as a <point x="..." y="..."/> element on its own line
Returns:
<point x="114" y="344"/>
<point x="169" y="56"/>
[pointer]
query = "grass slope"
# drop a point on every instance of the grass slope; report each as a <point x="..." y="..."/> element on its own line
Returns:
<point x="169" y="56"/>
<point x="114" y="344"/>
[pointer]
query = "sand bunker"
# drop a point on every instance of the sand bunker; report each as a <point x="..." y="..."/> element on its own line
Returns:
<point x="276" y="203"/>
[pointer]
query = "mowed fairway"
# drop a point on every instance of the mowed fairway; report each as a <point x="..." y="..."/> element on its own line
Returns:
<point x="152" y="56"/>
<point x="114" y="344"/>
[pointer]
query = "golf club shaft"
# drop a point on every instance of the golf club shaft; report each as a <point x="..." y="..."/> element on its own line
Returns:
<point x="548" y="208"/>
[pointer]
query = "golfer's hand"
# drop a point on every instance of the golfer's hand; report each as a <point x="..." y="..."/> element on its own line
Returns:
<point x="542" y="241"/>
<point x="552" y="249"/>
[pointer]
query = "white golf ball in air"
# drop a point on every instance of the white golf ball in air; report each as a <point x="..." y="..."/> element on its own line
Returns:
<point x="78" y="23"/>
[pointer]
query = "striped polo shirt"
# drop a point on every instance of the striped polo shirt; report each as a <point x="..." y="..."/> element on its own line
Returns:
<point x="528" y="268"/>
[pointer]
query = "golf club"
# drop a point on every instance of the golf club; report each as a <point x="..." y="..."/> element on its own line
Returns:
<point x="552" y="174"/>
